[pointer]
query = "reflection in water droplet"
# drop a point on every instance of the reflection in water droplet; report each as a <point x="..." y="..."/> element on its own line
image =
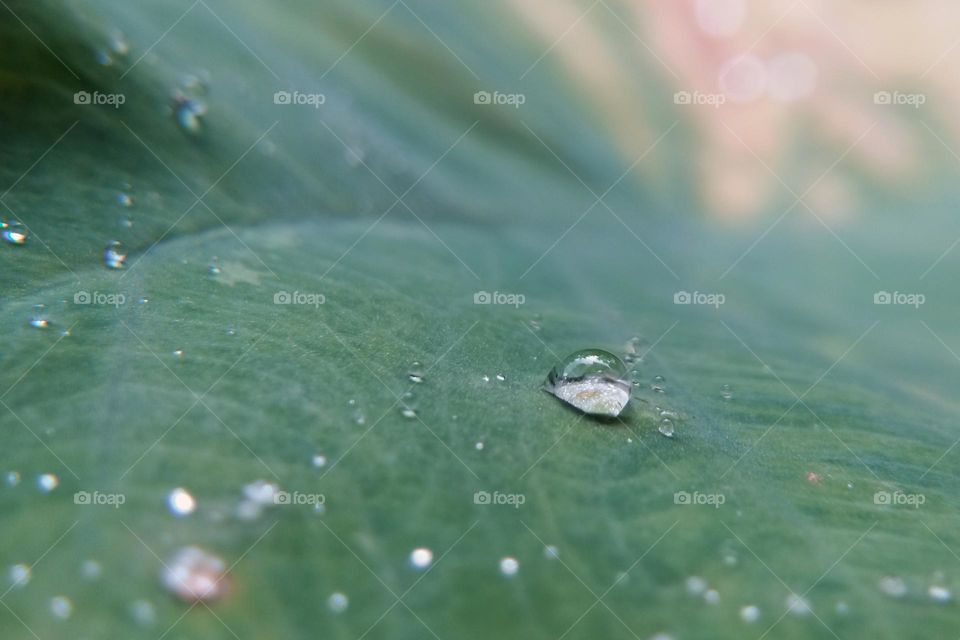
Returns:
<point x="193" y="574"/>
<point x="421" y="558"/>
<point x="338" y="602"/>
<point x="61" y="607"/>
<point x="893" y="586"/>
<point x="14" y="232"/>
<point x="666" y="427"/>
<point x="47" y="482"/>
<point x="509" y="566"/>
<point x="181" y="502"/>
<point x="594" y="381"/>
<point x="749" y="613"/>
<point x="114" y="255"/>
<point x="19" y="575"/>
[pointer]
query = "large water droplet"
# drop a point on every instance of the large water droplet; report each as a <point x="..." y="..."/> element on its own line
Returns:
<point x="666" y="427"/>
<point x="594" y="381"/>
<point x="14" y="232"/>
<point x="114" y="255"/>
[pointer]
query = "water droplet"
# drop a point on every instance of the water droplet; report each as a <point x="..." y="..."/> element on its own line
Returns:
<point x="358" y="417"/>
<point x="797" y="605"/>
<point x="500" y="377"/>
<point x="338" y="602"/>
<point x="14" y="232"/>
<point x="658" y="385"/>
<point x="842" y="608"/>
<point x="486" y="378"/>
<point x="408" y="407"/>
<point x="118" y="43"/>
<point x="509" y="566"/>
<point x="189" y="114"/>
<point x="102" y="57"/>
<point x="416" y="373"/>
<point x="143" y="613"/>
<point x="696" y="585"/>
<point x="666" y="427"/>
<point x="319" y="508"/>
<point x="725" y="392"/>
<point x="214" y="267"/>
<point x="124" y="199"/>
<point x="478" y="446"/>
<point x="939" y="593"/>
<point x="61" y="607"/>
<point x="261" y="492"/>
<point x="421" y="558"/>
<point x="180" y="502"/>
<point x="91" y="570"/>
<point x="749" y="613"/>
<point x="193" y="574"/>
<point x="319" y="460"/>
<point x="178" y="354"/>
<point x="231" y="331"/>
<point x="551" y="552"/>
<point x="47" y="482"/>
<point x="13" y="478"/>
<point x="39" y="319"/>
<point x="19" y="575"/>
<point x="893" y="586"/>
<point x="711" y="596"/>
<point x="594" y="381"/>
<point x="114" y="255"/>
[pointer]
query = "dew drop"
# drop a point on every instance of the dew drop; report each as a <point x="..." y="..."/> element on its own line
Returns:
<point x="39" y="319"/>
<point x="91" y="570"/>
<point x="118" y="43"/>
<point x="189" y="114"/>
<point x="319" y="460"/>
<point x="143" y="613"/>
<point x="61" y="607"/>
<point x="338" y="602"/>
<point x="178" y="354"/>
<point x="124" y="199"/>
<point x="14" y="232"/>
<point x="593" y="381"/>
<point x="893" y="586"/>
<point x="509" y="566"/>
<point x="421" y="558"/>
<point x="666" y="427"/>
<point x="47" y="482"/>
<point x="500" y="377"/>
<point x="939" y="593"/>
<point x="214" y="267"/>
<point x="797" y="605"/>
<point x="478" y="446"/>
<point x="19" y="575"/>
<point x="415" y="373"/>
<point x="181" y="502"/>
<point x="486" y="378"/>
<point x="13" y="478"/>
<point x="408" y="407"/>
<point x="114" y="255"/>
<point x="749" y="613"/>
<point x="696" y="585"/>
<point x="726" y="393"/>
<point x="193" y="574"/>
<point x="261" y="492"/>
<point x="711" y="596"/>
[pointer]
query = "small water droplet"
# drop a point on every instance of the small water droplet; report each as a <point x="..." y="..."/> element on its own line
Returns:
<point x="594" y="381"/>
<point x="421" y="558"/>
<point x="261" y="492"/>
<point x="658" y="385"/>
<point x="696" y="585"/>
<point x="666" y="427"/>
<point x="102" y="57"/>
<point x="189" y="114"/>
<point x="231" y="331"/>
<point x="39" y="319"/>
<point x="551" y="552"/>
<point x="181" y="502"/>
<point x="500" y="377"/>
<point x="61" y="607"/>
<point x="749" y="613"/>
<point x="725" y="392"/>
<point x="114" y="255"/>
<point x="13" y="478"/>
<point x="214" y="267"/>
<point x="47" y="482"/>
<point x="893" y="586"/>
<point x="509" y="566"/>
<point x="178" y="354"/>
<point x="118" y="43"/>
<point x="193" y="574"/>
<point x="939" y="593"/>
<point x="842" y="608"/>
<point x="408" y="407"/>
<point x="797" y="605"/>
<point x="711" y="596"/>
<point x="416" y="373"/>
<point x="486" y="378"/>
<point x="338" y="602"/>
<point x="124" y="199"/>
<point x="319" y="460"/>
<point x="19" y="575"/>
<point x="14" y="232"/>
<point x="143" y="613"/>
<point x="478" y="446"/>
<point x="91" y="570"/>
